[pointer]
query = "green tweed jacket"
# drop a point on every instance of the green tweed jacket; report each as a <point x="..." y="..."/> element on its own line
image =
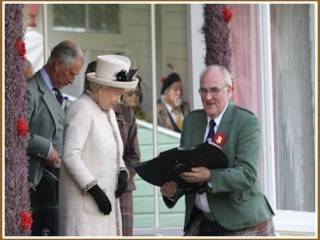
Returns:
<point x="235" y="199"/>
<point x="46" y="122"/>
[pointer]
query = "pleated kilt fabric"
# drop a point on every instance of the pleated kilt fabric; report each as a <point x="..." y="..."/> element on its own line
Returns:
<point x="126" y="206"/>
<point x="266" y="228"/>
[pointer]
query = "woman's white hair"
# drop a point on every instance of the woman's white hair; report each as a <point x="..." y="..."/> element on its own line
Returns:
<point x="94" y="88"/>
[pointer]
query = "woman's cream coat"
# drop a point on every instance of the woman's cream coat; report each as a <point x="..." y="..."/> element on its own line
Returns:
<point x="89" y="154"/>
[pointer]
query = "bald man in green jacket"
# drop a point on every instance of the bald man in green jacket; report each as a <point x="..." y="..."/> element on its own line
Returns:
<point x="230" y="201"/>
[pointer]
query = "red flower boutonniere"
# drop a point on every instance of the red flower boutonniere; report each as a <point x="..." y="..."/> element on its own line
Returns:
<point x="219" y="138"/>
<point x="22" y="127"/>
<point x="25" y="220"/>
<point x="21" y="48"/>
<point x="227" y="14"/>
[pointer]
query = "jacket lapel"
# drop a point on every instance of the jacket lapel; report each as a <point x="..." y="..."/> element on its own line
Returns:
<point x="49" y="99"/>
<point x="225" y="127"/>
<point x="226" y="121"/>
<point x="200" y="129"/>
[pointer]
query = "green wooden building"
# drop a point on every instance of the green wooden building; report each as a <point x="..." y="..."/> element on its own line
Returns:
<point x="147" y="219"/>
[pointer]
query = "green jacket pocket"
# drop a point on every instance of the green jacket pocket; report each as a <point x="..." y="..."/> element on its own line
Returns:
<point x="241" y="196"/>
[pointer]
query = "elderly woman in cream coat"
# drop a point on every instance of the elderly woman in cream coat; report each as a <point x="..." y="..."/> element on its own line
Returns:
<point x="93" y="173"/>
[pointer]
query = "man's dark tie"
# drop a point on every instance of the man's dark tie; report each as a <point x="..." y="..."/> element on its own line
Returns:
<point x="211" y="132"/>
<point x="203" y="187"/>
<point x="58" y="94"/>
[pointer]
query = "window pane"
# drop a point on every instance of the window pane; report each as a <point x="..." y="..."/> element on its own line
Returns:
<point x="293" y="107"/>
<point x="104" y="17"/>
<point x="245" y="56"/>
<point x="68" y="17"/>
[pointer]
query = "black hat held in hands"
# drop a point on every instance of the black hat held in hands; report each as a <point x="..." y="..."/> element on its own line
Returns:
<point x="169" y="164"/>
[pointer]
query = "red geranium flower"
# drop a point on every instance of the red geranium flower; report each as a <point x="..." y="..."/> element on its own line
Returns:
<point x="25" y="220"/>
<point x="227" y="14"/>
<point x="21" y="48"/>
<point x="219" y="138"/>
<point x="22" y="127"/>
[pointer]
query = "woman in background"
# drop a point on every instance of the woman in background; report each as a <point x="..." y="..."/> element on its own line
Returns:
<point x="133" y="99"/>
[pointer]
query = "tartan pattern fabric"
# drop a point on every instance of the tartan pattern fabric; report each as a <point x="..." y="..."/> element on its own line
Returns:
<point x="266" y="228"/>
<point x="193" y="230"/>
<point x="45" y="207"/>
<point x="126" y="207"/>
<point x="128" y="130"/>
<point x="131" y="155"/>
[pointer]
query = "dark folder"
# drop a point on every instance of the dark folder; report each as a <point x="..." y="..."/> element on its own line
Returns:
<point x="169" y="164"/>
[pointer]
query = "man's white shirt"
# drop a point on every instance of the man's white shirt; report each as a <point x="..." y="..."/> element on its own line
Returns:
<point x="201" y="201"/>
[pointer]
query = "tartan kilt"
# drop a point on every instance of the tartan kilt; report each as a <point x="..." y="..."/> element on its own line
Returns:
<point x="44" y="205"/>
<point x="265" y="228"/>
<point x="126" y="207"/>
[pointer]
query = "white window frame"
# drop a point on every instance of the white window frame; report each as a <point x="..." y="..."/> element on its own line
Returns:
<point x="286" y="222"/>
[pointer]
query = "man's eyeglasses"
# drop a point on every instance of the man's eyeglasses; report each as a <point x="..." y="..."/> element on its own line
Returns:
<point x="212" y="91"/>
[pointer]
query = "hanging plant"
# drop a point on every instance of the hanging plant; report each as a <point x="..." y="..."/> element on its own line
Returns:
<point x="217" y="33"/>
<point x="16" y="196"/>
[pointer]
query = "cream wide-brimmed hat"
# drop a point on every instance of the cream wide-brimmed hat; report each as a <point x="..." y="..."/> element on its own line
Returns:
<point x="114" y="71"/>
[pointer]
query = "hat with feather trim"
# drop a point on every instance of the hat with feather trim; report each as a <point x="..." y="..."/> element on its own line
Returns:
<point x="114" y="71"/>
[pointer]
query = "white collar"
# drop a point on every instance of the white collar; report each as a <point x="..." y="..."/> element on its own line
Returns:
<point x="46" y="78"/>
<point x="217" y="120"/>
